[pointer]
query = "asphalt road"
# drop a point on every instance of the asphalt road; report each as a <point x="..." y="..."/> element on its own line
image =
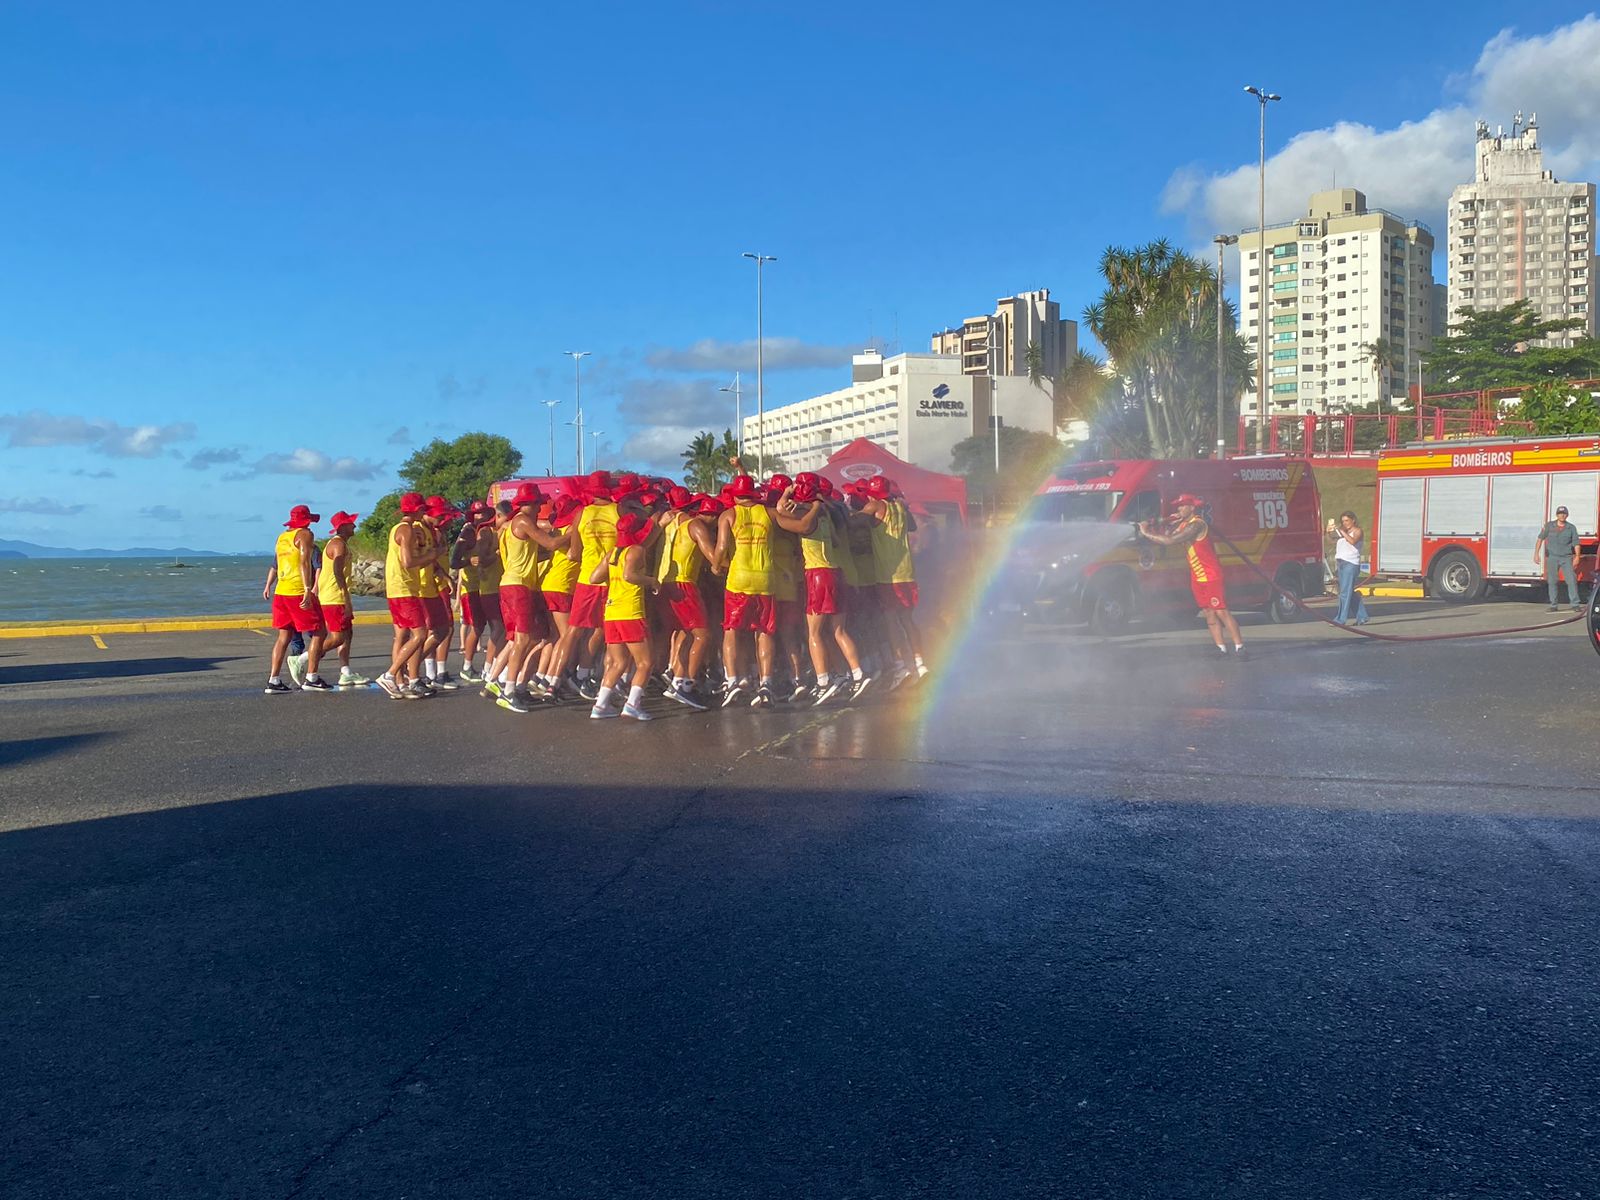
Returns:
<point x="1085" y="919"/>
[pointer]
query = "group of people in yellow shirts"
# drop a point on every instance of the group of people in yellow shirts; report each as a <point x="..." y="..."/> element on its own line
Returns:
<point x="592" y="592"/>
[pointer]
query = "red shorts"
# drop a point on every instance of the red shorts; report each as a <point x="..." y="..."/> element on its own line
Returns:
<point x="407" y="613"/>
<point x="1209" y="594"/>
<point x="472" y="610"/>
<point x="560" y="602"/>
<point x="822" y="590"/>
<point x="626" y="633"/>
<point x="337" y="617"/>
<point x="437" y="609"/>
<point x="742" y="611"/>
<point x="892" y="596"/>
<point x="684" y="606"/>
<point x="287" y="613"/>
<point x="588" y="606"/>
<point x="523" y="611"/>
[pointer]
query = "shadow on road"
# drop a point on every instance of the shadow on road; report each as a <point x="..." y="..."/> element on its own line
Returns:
<point x="109" y="668"/>
<point x="23" y="750"/>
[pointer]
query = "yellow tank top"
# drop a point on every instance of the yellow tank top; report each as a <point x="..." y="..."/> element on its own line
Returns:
<point x="598" y="529"/>
<point x="489" y="568"/>
<point x="681" y="559"/>
<point x="818" y="550"/>
<point x="624" y="600"/>
<point x="397" y="580"/>
<point x="891" y="552"/>
<point x="519" y="560"/>
<point x="290" y="581"/>
<point x="786" y="571"/>
<point x="750" y="572"/>
<point x="329" y="592"/>
<point x="562" y="575"/>
<point x="861" y="556"/>
<point x="469" y="579"/>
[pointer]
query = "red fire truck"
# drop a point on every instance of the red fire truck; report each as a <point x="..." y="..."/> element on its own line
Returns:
<point x="1078" y="554"/>
<point x="1463" y="515"/>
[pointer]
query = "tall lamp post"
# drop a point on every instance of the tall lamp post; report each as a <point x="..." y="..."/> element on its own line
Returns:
<point x="761" y="260"/>
<point x="738" y="411"/>
<point x="595" y="436"/>
<point x="1223" y="240"/>
<point x="1264" y="97"/>
<point x="577" y="373"/>
<point x="551" y="405"/>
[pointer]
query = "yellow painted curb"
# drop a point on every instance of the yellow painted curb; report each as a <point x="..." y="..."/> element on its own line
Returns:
<point x="38" y="629"/>
<point x="1396" y="591"/>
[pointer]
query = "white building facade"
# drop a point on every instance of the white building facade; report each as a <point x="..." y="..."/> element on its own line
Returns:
<point x="998" y="344"/>
<point x="1516" y="232"/>
<point x="916" y="406"/>
<point x="1339" y="280"/>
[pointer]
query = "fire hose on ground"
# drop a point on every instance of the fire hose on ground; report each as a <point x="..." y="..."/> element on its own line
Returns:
<point x="1591" y="615"/>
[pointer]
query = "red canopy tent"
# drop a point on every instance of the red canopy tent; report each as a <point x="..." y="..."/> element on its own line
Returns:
<point x="925" y="491"/>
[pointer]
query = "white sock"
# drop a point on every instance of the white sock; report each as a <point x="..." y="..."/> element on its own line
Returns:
<point x="429" y="667"/>
<point x="824" y="680"/>
<point x="858" y="674"/>
<point x="1224" y="649"/>
<point x="1238" y="645"/>
<point x="635" y="696"/>
<point x="275" y="679"/>
<point x="918" y="659"/>
<point x="583" y="674"/>
<point x="603" y="697"/>
<point x="313" y="676"/>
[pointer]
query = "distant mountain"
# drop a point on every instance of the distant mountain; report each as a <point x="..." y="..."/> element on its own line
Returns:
<point x="10" y="549"/>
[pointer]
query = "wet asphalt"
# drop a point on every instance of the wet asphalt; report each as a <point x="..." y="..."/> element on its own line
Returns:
<point x="1081" y="919"/>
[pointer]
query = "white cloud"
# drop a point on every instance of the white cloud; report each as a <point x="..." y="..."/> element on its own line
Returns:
<point x="778" y="354"/>
<point x="313" y="464"/>
<point x="1411" y="168"/>
<point x="211" y="457"/>
<point x="40" y="507"/>
<point x="400" y="437"/>
<point x="161" y="512"/>
<point x="659" y="448"/>
<point x="38" y="429"/>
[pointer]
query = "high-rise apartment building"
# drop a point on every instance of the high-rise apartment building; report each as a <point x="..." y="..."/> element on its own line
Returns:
<point x="1517" y="232"/>
<point x="1343" y="283"/>
<point x="998" y="344"/>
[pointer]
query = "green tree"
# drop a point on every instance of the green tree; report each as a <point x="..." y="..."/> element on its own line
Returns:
<point x="1157" y="319"/>
<point x="1034" y="357"/>
<point x="459" y="470"/>
<point x="1499" y="348"/>
<point x="1026" y="457"/>
<point x="1558" y="409"/>
<point x="707" y="463"/>
<point x="1383" y="357"/>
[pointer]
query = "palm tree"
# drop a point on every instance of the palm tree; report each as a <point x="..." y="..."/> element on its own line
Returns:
<point x="1034" y="357"/>
<point x="705" y="463"/>
<point x="1383" y="357"/>
<point x="1157" y="320"/>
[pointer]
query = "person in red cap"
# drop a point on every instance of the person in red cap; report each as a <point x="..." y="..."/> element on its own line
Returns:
<point x="687" y="545"/>
<point x="897" y="581"/>
<point x="437" y="598"/>
<point x="410" y="548"/>
<point x="560" y="580"/>
<point x="788" y="592"/>
<point x="333" y="593"/>
<point x="822" y="554"/>
<point x="627" y="631"/>
<point x="522" y="604"/>
<point x="294" y="605"/>
<point x="597" y="534"/>
<point x="1190" y="530"/>
<point x="473" y="558"/>
<point x="744" y="556"/>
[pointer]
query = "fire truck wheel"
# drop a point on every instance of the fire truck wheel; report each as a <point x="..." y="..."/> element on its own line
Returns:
<point x="1110" y="607"/>
<point x="1456" y="577"/>
<point x="1281" y="608"/>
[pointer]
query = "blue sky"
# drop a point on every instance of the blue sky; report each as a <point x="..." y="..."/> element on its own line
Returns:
<point x="254" y="257"/>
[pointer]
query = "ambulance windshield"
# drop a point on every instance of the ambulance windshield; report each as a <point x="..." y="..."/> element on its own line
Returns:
<point x="1060" y="508"/>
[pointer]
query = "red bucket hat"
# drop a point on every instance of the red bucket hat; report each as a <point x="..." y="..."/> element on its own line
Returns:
<point x="411" y="504"/>
<point x="564" y="510"/>
<point x="742" y="488"/>
<point x="527" y="493"/>
<point x="342" y="518"/>
<point x="1188" y="498"/>
<point x="632" y="529"/>
<point x="880" y="487"/>
<point x="300" y="516"/>
<point x="681" y="498"/>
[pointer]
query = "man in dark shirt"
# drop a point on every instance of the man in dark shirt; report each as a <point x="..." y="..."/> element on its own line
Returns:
<point x="1556" y="546"/>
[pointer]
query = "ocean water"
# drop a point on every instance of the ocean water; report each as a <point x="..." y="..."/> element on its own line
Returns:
<point x="77" y="589"/>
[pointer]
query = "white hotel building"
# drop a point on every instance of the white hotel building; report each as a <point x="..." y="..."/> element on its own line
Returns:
<point x="916" y="406"/>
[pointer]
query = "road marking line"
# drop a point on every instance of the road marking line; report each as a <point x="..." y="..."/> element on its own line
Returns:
<point x="99" y="643"/>
<point x="262" y="632"/>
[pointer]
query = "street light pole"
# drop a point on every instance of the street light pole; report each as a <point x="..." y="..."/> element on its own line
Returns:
<point x="738" y="413"/>
<point x="1222" y="240"/>
<point x="1264" y="96"/>
<point x="577" y="371"/>
<point x="551" y="405"/>
<point x="595" y="444"/>
<point x="761" y="395"/>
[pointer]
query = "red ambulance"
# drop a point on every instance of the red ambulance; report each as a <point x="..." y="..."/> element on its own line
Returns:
<point x="1078" y="555"/>
<point x="1462" y="515"/>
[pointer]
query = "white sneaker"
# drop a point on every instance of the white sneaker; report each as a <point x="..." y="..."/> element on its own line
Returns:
<point x="638" y="714"/>
<point x="601" y="711"/>
<point x="297" y="668"/>
<point x="351" y="679"/>
<point x="827" y="693"/>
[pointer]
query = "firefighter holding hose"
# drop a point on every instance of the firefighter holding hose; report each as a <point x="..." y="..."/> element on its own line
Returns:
<point x="1190" y="531"/>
